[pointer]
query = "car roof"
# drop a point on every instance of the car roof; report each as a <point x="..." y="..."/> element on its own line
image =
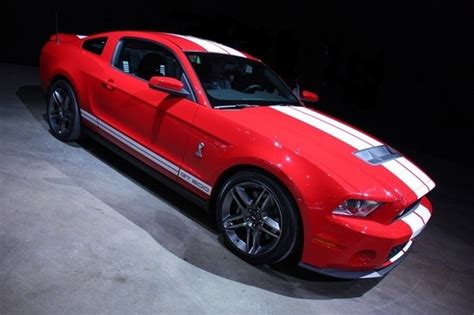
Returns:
<point x="186" y="43"/>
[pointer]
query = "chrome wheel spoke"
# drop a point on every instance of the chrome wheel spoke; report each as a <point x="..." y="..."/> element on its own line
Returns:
<point x="266" y="203"/>
<point x="61" y="125"/>
<point x="247" y="243"/>
<point x="55" y="115"/>
<point x="256" y="202"/>
<point x="66" y="102"/>
<point x="58" y="99"/>
<point x="256" y="235"/>
<point x="251" y="217"/>
<point x="274" y="225"/>
<point x="236" y="226"/>
<point x="232" y="218"/>
<point x="269" y="233"/>
<point x="241" y="197"/>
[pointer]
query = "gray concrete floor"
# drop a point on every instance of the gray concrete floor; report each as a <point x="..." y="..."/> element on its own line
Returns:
<point x="82" y="231"/>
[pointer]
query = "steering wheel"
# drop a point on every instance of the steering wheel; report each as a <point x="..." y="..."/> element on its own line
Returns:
<point x="252" y="88"/>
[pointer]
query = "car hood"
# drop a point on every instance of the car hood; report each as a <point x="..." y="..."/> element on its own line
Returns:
<point x="330" y="145"/>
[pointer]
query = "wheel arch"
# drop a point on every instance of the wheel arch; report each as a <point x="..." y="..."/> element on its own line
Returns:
<point x="61" y="76"/>
<point x="250" y="167"/>
<point x="296" y="256"/>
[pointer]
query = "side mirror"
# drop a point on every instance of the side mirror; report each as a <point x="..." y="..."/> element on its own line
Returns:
<point x="169" y="85"/>
<point x="307" y="96"/>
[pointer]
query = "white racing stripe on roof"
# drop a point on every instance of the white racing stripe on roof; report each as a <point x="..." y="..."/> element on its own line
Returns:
<point x="206" y="44"/>
<point x="230" y="50"/>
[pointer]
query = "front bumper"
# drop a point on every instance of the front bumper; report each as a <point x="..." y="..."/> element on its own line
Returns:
<point x="348" y="247"/>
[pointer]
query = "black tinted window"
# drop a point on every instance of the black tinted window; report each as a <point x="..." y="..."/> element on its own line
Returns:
<point x="95" y="45"/>
<point x="232" y="80"/>
<point x="145" y="60"/>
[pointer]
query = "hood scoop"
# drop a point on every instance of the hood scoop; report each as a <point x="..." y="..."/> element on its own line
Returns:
<point x="378" y="154"/>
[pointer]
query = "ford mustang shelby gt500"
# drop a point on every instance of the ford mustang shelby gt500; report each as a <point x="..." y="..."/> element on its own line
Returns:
<point x="281" y="179"/>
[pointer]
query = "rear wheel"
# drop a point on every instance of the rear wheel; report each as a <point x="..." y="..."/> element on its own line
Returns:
<point x="257" y="218"/>
<point x="63" y="112"/>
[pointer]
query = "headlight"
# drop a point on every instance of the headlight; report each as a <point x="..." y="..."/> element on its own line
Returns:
<point x="355" y="207"/>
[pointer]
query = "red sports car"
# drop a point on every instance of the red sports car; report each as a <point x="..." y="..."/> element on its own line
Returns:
<point x="281" y="179"/>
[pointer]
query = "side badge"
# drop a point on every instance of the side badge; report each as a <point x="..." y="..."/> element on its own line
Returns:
<point x="199" y="150"/>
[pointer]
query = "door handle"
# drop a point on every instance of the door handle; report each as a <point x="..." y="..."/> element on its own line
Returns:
<point x="109" y="84"/>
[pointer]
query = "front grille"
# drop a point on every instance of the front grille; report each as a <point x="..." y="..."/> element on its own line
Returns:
<point x="395" y="251"/>
<point x="407" y="210"/>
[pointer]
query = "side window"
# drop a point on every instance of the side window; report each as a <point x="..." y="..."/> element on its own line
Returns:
<point x="145" y="59"/>
<point x="95" y="45"/>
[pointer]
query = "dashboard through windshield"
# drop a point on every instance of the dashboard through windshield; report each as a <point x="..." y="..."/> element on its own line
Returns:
<point x="235" y="81"/>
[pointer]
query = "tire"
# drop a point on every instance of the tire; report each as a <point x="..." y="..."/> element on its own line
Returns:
<point x="62" y="112"/>
<point x="252" y="205"/>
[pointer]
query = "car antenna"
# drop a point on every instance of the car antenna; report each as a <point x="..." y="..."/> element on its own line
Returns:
<point x="56" y="25"/>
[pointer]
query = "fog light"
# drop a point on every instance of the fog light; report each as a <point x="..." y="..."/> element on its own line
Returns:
<point x="363" y="257"/>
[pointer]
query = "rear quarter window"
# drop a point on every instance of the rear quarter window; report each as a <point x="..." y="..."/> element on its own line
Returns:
<point x="95" y="45"/>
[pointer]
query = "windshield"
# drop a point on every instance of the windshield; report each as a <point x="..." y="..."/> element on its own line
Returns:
<point x="231" y="81"/>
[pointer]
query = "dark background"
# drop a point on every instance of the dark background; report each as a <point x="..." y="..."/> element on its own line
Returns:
<point x="402" y="72"/>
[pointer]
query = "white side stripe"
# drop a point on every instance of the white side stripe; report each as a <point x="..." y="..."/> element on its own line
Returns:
<point x="195" y="182"/>
<point x="89" y="117"/>
<point x="340" y="125"/>
<point x="139" y="148"/>
<point x="324" y="126"/>
<point x="407" y="177"/>
<point x="155" y="158"/>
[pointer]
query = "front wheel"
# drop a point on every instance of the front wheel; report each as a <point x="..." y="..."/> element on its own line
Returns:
<point x="257" y="218"/>
<point x="63" y="112"/>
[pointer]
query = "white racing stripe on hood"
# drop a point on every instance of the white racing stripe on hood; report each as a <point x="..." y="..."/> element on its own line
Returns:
<point x="415" y="184"/>
<point x="340" y="125"/>
<point x="417" y="172"/>
<point x="403" y="169"/>
<point x="324" y="126"/>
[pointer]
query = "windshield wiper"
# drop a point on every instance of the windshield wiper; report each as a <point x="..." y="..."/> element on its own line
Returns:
<point x="234" y="106"/>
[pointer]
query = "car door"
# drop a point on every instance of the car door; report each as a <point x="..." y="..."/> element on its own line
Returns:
<point x="147" y="122"/>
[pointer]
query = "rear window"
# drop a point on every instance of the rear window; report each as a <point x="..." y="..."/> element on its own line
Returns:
<point x="95" y="45"/>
